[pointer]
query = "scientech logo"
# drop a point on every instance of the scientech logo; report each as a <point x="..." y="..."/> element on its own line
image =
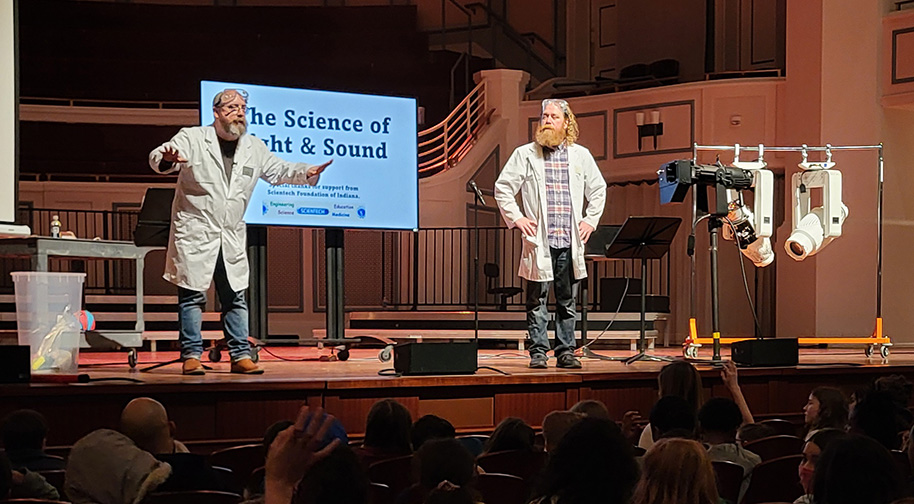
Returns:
<point x="311" y="211"/>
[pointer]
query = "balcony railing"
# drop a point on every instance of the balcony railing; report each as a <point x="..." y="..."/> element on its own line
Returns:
<point x="445" y="144"/>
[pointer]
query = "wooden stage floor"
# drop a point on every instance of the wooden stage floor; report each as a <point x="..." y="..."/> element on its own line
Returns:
<point x="223" y="406"/>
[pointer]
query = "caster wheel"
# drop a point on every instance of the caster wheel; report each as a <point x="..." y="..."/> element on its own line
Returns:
<point x="255" y="354"/>
<point x="690" y="352"/>
<point x="386" y="354"/>
<point x="868" y="351"/>
<point x="343" y="354"/>
<point x="884" y="352"/>
<point x="131" y="357"/>
<point x="215" y="355"/>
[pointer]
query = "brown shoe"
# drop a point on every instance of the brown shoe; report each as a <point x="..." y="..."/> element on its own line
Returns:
<point x="193" y="367"/>
<point x="246" y="366"/>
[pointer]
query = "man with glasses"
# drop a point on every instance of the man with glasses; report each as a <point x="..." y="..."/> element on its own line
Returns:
<point x="218" y="167"/>
<point x="554" y="176"/>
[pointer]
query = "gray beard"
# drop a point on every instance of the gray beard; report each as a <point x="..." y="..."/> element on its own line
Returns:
<point x="234" y="129"/>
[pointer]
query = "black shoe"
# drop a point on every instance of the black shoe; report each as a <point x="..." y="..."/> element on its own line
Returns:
<point x="538" y="361"/>
<point x="568" y="361"/>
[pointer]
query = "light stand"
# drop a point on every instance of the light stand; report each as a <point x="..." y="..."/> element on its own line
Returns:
<point x="477" y="200"/>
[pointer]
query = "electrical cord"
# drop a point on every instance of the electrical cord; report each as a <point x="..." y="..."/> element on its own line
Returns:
<point x="742" y="268"/>
<point x="613" y="319"/>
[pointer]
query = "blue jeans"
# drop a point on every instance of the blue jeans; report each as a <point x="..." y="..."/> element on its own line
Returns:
<point x="234" y="318"/>
<point x="566" y="292"/>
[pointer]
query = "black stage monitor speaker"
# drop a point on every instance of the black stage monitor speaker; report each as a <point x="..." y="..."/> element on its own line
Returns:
<point x="154" y="222"/>
<point x="435" y="358"/>
<point x="766" y="352"/>
<point x="15" y="368"/>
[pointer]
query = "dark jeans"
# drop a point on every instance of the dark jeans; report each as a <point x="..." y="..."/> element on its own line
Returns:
<point x="234" y="318"/>
<point x="566" y="291"/>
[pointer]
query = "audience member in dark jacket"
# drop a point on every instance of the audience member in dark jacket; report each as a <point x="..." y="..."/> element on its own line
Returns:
<point x="24" y="433"/>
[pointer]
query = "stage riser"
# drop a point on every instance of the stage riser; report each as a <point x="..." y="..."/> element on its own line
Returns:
<point x="225" y="410"/>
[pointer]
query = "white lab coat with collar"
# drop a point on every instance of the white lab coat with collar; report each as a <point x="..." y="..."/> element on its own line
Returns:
<point x="207" y="211"/>
<point x="525" y="171"/>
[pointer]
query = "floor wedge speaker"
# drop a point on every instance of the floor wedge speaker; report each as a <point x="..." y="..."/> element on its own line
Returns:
<point x="766" y="352"/>
<point x="435" y="358"/>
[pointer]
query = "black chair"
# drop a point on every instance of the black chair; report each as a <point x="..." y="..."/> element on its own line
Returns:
<point x="521" y="463"/>
<point x="497" y="488"/>
<point x="781" y="426"/>
<point x="729" y="476"/>
<point x="775" y="480"/>
<point x="396" y="473"/>
<point x="775" y="446"/>
<point x="492" y="272"/>
<point x="192" y="497"/>
<point x="666" y="71"/>
<point x="241" y="460"/>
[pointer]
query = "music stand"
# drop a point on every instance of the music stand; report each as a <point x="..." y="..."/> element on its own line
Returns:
<point x="643" y="238"/>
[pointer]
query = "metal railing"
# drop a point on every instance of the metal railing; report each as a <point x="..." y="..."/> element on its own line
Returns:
<point x="433" y="269"/>
<point x="108" y="276"/>
<point x="445" y="144"/>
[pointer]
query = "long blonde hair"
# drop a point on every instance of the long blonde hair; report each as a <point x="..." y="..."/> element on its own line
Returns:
<point x="676" y="471"/>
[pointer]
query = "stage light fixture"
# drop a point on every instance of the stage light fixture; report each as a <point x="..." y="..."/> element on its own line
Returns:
<point x="814" y="228"/>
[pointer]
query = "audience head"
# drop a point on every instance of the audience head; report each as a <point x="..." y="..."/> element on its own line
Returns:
<point x="826" y="408"/>
<point x="879" y="417"/>
<point x="812" y="450"/>
<point x="681" y="379"/>
<point x="752" y="432"/>
<point x="672" y="416"/>
<point x="593" y="463"/>
<point x="719" y="418"/>
<point x="444" y="459"/>
<point x="145" y="421"/>
<point x="511" y="434"/>
<point x="677" y="471"/>
<point x="898" y="388"/>
<point x="272" y="431"/>
<point x="556" y="424"/>
<point x="430" y="427"/>
<point x="335" y="479"/>
<point x="856" y="470"/>
<point x="591" y="408"/>
<point x="24" y="429"/>
<point x="388" y="427"/>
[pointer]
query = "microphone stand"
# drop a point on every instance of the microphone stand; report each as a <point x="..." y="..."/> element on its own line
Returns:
<point x="477" y="200"/>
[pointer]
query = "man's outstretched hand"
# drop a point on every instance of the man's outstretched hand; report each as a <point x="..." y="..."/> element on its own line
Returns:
<point x="172" y="155"/>
<point x="317" y="170"/>
<point x="294" y="452"/>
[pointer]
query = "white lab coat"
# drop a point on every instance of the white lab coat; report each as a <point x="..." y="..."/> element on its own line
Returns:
<point x="525" y="171"/>
<point x="207" y="211"/>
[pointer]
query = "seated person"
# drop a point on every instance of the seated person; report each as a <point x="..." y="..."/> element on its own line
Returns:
<point x="430" y="427"/>
<point x="145" y="421"/>
<point x="23" y="484"/>
<point x="106" y="467"/>
<point x="386" y="433"/>
<point x="718" y="419"/>
<point x="672" y="417"/>
<point x="511" y="434"/>
<point x="556" y="424"/>
<point x="24" y="433"/>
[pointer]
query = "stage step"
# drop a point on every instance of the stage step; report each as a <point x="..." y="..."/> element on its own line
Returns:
<point x="518" y="336"/>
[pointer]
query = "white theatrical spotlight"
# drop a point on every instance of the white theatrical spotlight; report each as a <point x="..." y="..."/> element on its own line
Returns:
<point x="814" y="228"/>
<point x="752" y="229"/>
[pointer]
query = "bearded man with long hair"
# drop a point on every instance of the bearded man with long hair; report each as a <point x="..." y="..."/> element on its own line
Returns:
<point x="554" y="176"/>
